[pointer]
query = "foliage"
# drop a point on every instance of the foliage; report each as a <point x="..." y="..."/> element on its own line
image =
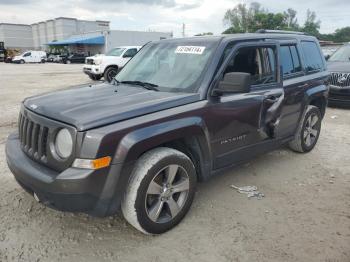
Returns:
<point x="207" y="33"/>
<point x="311" y="25"/>
<point x="340" y="35"/>
<point x="247" y="19"/>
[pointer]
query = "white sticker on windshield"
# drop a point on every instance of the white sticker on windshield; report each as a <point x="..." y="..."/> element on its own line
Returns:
<point x="197" y="50"/>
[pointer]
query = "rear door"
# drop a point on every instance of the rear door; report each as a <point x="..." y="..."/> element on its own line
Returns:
<point x="294" y="85"/>
<point x="242" y="125"/>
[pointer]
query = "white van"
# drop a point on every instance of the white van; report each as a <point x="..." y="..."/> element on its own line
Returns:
<point x="30" y="57"/>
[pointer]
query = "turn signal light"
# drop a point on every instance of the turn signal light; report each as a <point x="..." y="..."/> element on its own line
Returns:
<point x="92" y="163"/>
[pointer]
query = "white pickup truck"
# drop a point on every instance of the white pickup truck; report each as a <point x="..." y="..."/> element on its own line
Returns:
<point x="108" y="65"/>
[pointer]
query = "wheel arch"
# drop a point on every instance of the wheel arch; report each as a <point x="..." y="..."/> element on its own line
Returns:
<point x="320" y="103"/>
<point x="317" y="96"/>
<point x="189" y="136"/>
<point x="109" y="66"/>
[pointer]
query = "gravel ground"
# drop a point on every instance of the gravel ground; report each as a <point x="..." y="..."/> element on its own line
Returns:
<point x="304" y="216"/>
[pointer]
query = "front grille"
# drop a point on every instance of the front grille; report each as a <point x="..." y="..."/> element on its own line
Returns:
<point x="340" y="79"/>
<point x="33" y="137"/>
<point x="89" y="61"/>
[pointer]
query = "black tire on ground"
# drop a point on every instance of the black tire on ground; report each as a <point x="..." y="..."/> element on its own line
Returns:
<point x="43" y="61"/>
<point x="160" y="191"/>
<point x="308" y="131"/>
<point x="95" y="77"/>
<point x="110" y="73"/>
<point x="22" y="61"/>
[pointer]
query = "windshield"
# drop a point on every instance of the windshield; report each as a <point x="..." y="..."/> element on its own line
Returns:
<point x="341" y="55"/>
<point x="115" y="52"/>
<point x="172" y="66"/>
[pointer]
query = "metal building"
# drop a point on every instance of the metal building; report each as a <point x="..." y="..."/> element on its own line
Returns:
<point x="76" y="36"/>
<point x="36" y="36"/>
<point x="61" y="28"/>
<point x="16" y="36"/>
<point x="102" y="41"/>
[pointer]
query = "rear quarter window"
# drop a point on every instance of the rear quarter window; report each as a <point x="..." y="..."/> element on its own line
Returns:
<point x="313" y="57"/>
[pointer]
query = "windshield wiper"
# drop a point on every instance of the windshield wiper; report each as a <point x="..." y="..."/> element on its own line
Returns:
<point x="148" y="86"/>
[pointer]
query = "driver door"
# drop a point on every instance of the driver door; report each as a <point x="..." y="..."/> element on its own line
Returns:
<point x="244" y="124"/>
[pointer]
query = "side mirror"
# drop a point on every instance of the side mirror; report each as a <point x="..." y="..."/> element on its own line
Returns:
<point x="234" y="82"/>
<point x="327" y="57"/>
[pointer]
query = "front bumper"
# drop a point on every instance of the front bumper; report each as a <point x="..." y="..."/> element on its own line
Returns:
<point x="92" y="69"/>
<point x="339" y="96"/>
<point x="74" y="189"/>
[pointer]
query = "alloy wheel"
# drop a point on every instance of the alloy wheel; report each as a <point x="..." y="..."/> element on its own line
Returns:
<point x="167" y="193"/>
<point x="311" y="130"/>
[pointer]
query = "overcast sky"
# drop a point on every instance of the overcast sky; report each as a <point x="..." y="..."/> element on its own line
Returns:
<point x="166" y="15"/>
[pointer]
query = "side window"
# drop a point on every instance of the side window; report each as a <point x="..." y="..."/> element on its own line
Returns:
<point x="130" y="52"/>
<point x="259" y="62"/>
<point x="286" y="61"/>
<point x="290" y="60"/>
<point x="296" y="59"/>
<point x="27" y="54"/>
<point x="313" y="58"/>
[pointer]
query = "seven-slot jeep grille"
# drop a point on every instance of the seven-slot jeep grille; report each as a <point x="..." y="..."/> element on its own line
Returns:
<point x="340" y="79"/>
<point x="33" y="137"/>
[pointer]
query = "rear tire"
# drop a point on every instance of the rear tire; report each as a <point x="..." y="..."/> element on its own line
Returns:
<point x="308" y="132"/>
<point x="110" y="73"/>
<point x="160" y="191"/>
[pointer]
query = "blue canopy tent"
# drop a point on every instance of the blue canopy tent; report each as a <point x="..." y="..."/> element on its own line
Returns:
<point x="85" y="40"/>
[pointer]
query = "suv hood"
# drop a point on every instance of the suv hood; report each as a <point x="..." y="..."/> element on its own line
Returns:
<point x="343" y="67"/>
<point x="98" y="105"/>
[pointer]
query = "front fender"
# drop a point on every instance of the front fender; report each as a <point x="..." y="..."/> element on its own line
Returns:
<point x="135" y="143"/>
<point x="141" y="140"/>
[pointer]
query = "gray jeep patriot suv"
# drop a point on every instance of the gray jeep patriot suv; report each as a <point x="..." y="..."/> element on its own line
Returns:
<point x="179" y="112"/>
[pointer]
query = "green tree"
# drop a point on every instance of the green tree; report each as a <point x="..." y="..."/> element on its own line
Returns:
<point x="291" y="19"/>
<point x="243" y="19"/>
<point x="207" y="33"/>
<point x="342" y="35"/>
<point x="268" y="21"/>
<point x="240" y="17"/>
<point x="311" y="25"/>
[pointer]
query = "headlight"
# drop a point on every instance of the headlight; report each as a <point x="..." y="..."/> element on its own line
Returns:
<point x="64" y="143"/>
<point x="97" y="61"/>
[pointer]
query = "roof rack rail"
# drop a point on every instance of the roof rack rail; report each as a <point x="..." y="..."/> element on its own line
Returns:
<point x="265" y="31"/>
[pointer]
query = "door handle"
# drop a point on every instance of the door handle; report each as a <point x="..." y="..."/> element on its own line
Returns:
<point x="271" y="99"/>
<point x="304" y="86"/>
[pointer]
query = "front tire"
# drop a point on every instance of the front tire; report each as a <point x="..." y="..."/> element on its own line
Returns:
<point x="22" y="61"/>
<point x="95" y="77"/>
<point x="160" y="191"/>
<point x="308" y="132"/>
<point x="110" y="73"/>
